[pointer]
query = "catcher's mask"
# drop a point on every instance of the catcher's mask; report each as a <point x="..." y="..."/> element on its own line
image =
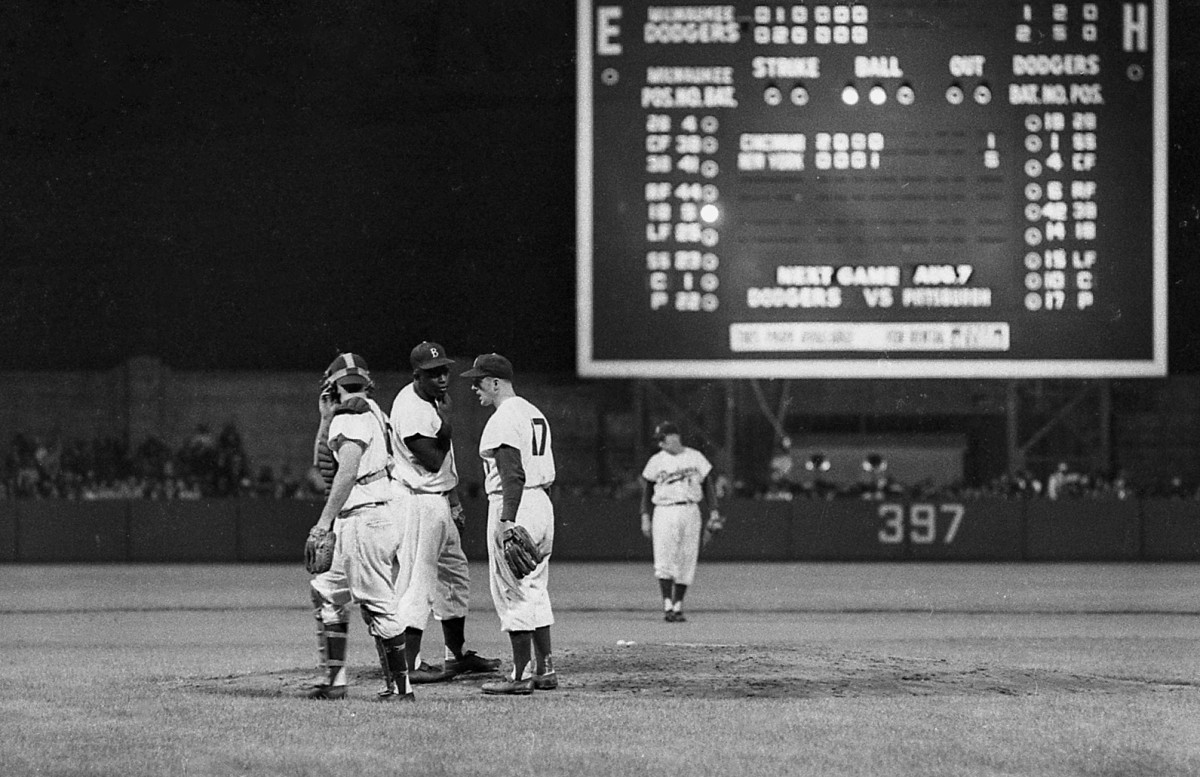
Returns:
<point x="347" y="368"/>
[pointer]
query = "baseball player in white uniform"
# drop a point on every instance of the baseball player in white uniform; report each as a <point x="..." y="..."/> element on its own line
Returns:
<point x="674" y="481"/>
<point x="518" y="462"/>
<point x="432" y="550"/>
<point x="363" y="504"/>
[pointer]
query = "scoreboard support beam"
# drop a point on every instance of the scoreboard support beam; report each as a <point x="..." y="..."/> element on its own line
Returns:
<point x="1073" y="421"/>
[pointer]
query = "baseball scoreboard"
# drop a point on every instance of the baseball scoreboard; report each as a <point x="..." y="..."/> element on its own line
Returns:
<point x="873" y="189"/>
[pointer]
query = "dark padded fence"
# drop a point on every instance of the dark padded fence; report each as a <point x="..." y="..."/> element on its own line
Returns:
<point x="1170" y="531"/>
<point x="8" y="531"/>
<point x="592" y="529"/>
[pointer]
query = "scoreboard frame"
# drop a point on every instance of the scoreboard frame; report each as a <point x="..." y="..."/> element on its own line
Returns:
<point x="588" y="365"/>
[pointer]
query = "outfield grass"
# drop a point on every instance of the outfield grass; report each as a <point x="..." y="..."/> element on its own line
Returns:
<point x="782" y="669"/>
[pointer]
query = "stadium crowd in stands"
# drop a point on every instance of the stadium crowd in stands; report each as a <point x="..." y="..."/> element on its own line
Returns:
<point x="208" y="465"/>
<point x="205" y="465"/>
<point x="1060" y="483"/>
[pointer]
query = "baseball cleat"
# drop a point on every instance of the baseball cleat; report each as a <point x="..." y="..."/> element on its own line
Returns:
<point x="679" y="617"/>
<point x="393" y="696"/>
<point x="669" y="616"/>
<point x="472" y="662"/>
<point x="508" y="687"/>
<point x="545" y="682"/>
<point x="331" y="692"/>
<point x="425" y="673"/>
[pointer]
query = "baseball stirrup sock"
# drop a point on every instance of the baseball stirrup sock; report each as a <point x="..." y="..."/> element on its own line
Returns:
<point x="397" y="663"/>
<point x="454" y="632"/>
<point x="665" y="585"/>
<point x="412" y="647"/>
<point x="522" y="647"/>
<point x="383" y="664"/>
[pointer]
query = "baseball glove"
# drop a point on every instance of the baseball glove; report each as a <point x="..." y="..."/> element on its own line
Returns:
<point x="326" y="464"/>
<point x="520" y="551"/>
<point x="318" y="550"/>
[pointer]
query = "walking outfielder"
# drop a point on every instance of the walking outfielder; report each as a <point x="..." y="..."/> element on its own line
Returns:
<point x="674" y="481"/>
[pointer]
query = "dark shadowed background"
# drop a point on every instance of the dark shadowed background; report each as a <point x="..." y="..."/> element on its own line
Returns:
<point x="229" y="184"/>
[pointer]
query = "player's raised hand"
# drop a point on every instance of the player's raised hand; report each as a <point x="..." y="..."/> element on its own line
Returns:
<point x="326" y="403"/>
<point x="443" y="410"/>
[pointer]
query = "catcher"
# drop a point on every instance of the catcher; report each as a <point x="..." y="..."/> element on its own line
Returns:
<point x="355" y="565"/>
<point x="518" y="463"/>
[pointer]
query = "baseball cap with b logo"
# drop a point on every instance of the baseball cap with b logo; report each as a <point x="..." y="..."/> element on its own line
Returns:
<point x="429" y="356"/>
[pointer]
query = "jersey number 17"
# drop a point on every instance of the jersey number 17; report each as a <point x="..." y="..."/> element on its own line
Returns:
<point x="541" y="431"/>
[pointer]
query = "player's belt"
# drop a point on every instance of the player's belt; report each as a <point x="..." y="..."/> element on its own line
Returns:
<point x="427" y="491"/>
<point x="545" y="488"/>
<point x="371" y="477"/>
<point x="349" y="510"/>
<point x="675" y="504"/>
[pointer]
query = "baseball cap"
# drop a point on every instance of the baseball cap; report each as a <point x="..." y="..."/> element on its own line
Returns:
<point x="665" y="428"/>
<point x="346" y="366"/>
<point x="428" y="356"/>
<point x="490" y="365"/>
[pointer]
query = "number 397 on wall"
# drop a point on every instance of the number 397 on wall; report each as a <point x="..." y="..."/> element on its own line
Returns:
<point x="922" y="522"/>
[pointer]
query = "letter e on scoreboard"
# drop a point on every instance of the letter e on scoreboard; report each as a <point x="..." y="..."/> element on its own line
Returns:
<point x="607" y="30"/>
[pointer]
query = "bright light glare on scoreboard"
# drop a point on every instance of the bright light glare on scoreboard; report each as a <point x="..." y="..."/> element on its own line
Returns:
<point x="912" y="188"/>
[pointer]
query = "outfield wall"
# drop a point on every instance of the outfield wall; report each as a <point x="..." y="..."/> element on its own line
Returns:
<point x="252" y="530"/>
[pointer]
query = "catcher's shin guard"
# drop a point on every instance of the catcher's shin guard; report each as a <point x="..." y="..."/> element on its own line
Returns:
<point x="335" y="652"/>
<point x="322" y="650"/>
<point x="397" y="667"/>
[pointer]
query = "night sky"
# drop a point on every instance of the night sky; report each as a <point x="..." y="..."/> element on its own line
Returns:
<point x="244" y="185"/>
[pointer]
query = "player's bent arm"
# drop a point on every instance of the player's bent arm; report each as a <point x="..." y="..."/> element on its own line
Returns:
<point x="446" y="432"/>
<point x="426" y="451"/>
<point x="325" y="406"/>
<point x="647" y="494"/>
<point x="343" y="483"/>
<point x="457" y="513"/>
<point x="715" y="522"/>
<point x="647" y="506"/>
<point x="710" y="492"/>
<point x="512" y="480"/>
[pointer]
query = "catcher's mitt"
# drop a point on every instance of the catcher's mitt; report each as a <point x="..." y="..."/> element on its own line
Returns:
<point x="520" y="551"/>
<point x="326" y="464"/>
<point x="318" y="550"/>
